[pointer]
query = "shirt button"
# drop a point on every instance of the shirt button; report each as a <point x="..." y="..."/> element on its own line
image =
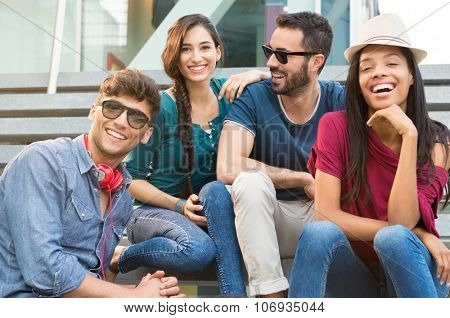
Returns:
<point x="82" y="214"/>
<point x="95" y="189"/>
<point x="210" y="136"/>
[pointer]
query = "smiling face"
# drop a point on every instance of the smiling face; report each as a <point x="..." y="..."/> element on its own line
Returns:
<point x="110" y="140"/>
<point x="291" y="78"/>
<point x="384" y="77"/>
<point x="199" y="55"/>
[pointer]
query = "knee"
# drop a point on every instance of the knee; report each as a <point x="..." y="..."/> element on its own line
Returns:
<point x="392" y="239"/>
<point x="213" y="190"/>
<point x="320" y="235"/>
<point x="215" y="199"/>
<point x="217" y="206"/>
<point x="202" y="254"/>
<point x="249" y="184"/>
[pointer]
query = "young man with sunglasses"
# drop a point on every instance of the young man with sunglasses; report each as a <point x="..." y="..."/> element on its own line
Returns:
<point x="64" y="203"/>
<point x="265" y="143"/>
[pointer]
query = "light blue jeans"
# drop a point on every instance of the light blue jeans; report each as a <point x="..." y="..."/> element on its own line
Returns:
<point x="167" y="240"/>
<point x="326" y="266"/>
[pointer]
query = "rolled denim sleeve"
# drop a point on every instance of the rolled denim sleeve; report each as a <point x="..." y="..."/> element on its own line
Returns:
<point x="35" y="196"/>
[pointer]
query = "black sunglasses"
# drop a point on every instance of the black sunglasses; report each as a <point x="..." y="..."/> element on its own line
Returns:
<point x="112" y="109"/>
<point x="282" y="56"/>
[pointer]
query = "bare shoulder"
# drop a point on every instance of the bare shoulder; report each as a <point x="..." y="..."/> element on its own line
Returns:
<point x="440" y="158"/>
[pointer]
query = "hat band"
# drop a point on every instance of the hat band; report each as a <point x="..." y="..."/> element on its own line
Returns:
<point x="388" y="39"/>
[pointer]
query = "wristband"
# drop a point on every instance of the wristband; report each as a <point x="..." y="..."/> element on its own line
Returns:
<point x="179" y="206"/>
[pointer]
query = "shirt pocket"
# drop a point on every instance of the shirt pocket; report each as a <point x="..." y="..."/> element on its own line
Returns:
<point x="81" y="226"/>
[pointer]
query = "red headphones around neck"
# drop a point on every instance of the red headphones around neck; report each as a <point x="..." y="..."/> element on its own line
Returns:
<point x="109" y="179"/>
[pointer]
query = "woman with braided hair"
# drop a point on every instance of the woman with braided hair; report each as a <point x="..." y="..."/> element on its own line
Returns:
<point x="173" y="172"/>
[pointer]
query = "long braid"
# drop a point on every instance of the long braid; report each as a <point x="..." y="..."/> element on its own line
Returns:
<point x="171" y="61"/>
<point x="184" y="109"/>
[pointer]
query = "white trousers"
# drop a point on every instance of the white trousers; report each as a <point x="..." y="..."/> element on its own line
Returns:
<point x="267" y="229"/>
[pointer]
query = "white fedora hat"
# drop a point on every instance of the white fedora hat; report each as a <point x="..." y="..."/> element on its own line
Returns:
<point x="385" y="29"/>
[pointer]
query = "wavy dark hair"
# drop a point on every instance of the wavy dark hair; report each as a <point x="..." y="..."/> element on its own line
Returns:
<point x="429" y="131"/>
<point x="317" y="31"/>
<point x="134" y="84"/>
<point x="171" y="60"/>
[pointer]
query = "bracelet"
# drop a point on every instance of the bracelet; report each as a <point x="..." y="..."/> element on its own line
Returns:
<point x="179" y="206"/>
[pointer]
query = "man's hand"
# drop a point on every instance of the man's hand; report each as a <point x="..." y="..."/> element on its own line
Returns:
<point x="305" y="180"/>
<point x="310" y="189"/>
<point x="157" y="286"/>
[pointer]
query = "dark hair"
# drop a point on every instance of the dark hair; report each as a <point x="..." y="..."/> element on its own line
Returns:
<point x="135" y="84"/>
<point x="171" y="60"/>
<point x="429" y="131"/>
<point x="317" y="32"/>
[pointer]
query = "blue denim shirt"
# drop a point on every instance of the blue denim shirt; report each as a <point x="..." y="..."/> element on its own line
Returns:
<point x="51" y="228"/>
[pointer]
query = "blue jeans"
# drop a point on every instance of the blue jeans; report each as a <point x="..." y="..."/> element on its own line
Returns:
<point x="326" y="266"/>
<point x="164" y="239"/>
<point x="168" y="240"/>
<point x="218" y="208"/>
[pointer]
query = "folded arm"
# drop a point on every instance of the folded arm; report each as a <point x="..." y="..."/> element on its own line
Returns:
<point x="151" y="286"/>
<point x="235" y="146"/>
<point x="328" y="208"/>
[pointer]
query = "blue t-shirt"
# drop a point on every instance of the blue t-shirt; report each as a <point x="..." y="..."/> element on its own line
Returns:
<point x="278" y="141"/>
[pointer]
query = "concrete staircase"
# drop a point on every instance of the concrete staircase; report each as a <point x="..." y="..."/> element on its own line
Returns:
<point x="27" y="114"/>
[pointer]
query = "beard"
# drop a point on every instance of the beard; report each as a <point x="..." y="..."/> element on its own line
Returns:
<point x="294" y="84"/>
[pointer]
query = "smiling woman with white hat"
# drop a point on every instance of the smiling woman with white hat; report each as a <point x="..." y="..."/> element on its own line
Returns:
<point x="377" y="192"/>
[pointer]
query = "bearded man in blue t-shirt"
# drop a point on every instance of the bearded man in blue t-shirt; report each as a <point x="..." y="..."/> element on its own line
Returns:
<point x="265" y="143"/>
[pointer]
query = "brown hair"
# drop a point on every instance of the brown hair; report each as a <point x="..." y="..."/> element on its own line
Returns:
<point x="134" y="84"/>
<point x="171" y="59"/>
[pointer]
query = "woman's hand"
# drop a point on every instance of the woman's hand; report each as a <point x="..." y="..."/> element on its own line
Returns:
<point x="235" y="84"/>
<point x="191" y="208"/>
<point x="395" y="117"/>
<point x="441" y="255"/>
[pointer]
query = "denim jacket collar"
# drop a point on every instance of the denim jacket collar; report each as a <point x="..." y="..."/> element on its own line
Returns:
<point x="85" y="162"/>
